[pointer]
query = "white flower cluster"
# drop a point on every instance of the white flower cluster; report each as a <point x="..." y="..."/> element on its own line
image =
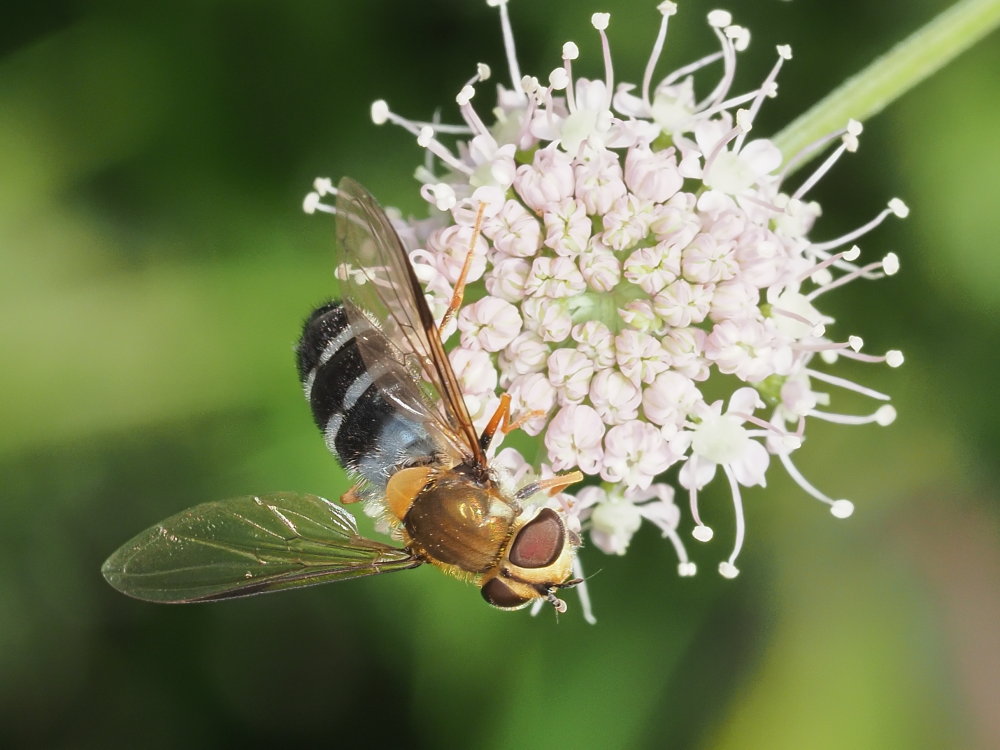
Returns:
<point x="636" y="243"/>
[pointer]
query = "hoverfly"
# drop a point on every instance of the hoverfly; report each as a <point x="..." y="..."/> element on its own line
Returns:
<point x="383" y="392"/>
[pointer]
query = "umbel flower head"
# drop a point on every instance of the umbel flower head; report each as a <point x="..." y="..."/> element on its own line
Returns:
<point x="638" y="244"/>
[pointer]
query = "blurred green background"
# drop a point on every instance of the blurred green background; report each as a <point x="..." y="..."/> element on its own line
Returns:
<point x="154" y="270"/>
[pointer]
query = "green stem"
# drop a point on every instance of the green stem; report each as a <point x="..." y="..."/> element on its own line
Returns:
<point x="892" y="75"/>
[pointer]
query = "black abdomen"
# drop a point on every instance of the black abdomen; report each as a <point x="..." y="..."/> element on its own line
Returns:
<point x="362" y="427"/>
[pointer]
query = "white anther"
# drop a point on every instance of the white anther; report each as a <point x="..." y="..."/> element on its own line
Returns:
<point x="310" y="203"/>
<point x="465" y="95"/>
<point x="728" y="570"/>
<point x="740" y="36"/>
<point x="380" y="112"/>
<point x="720" y="18"/>
<point x="885" y="415"/>
<point x="702" y="533"/>
<point x="600" y="21"/>
<point x="853" y="254"/>
<point x="323" y="185"/>
<point x="558" y="79"/>
<point x="842" y="508"/>
<point x="529" y="84"/>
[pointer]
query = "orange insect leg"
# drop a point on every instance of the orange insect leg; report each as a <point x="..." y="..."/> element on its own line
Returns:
<point x="456" y="298"/>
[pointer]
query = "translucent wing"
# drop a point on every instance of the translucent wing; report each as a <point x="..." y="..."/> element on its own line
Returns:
<point x="248" y="545"/>
<point x="382" y="289"/>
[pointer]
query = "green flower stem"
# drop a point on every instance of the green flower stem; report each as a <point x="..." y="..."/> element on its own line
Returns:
<point x="892" y="75"/>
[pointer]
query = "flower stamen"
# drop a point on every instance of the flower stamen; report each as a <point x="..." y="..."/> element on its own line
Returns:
<point x="666" y="9"/>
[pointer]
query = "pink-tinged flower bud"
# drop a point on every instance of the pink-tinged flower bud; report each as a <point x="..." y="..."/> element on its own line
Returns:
<point x="634" y="454"/>
<point x="615" y="397"/>
<point x="652" y="175"/>
<point x="574" y="438"/>
<point x="548" y="180"/>
<point x="682" y="304"/>
<point x="526" y="353"/>
<point x="626" y="223"/>
<point x="639" y="315"/>
<point x="567" y="227"/>
<point x="727" y="226"/>
<point x="491" y="324"/>
<point x="570" y="371"/>
<point x="675" y="222"/>
<point x="514" y="230"/>
<point x="450" y="247"/>
<point x="669" y="400"/>
<point x="532" y="392"/>
<point x="508" y="278"/>
<point x="734" y="300"/>
<point x="639" y="356"/>
<point x="652" y="268"/>
<point x="599" y="181"/>
<point x="554" y="277"/>
<point x="763" y="258"/>
<point x="596" y="342"/>
<point x="707" y="260"/>
<point x="474" y="369"/>
<point x="548" y="318"/>
<point x="684" y="347"/>
<point x="747" y="349"/>
<point x="600" y="268"/>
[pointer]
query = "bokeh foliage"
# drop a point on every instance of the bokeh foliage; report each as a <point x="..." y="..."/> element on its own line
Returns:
<point x="156" y="267"/>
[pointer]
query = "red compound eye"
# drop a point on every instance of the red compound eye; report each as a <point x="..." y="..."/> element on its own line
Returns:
<point x="539" y="542"/>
